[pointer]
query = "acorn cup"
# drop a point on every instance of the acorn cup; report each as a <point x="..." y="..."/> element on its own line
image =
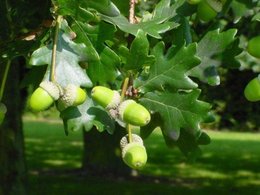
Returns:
<point x="44" y="96"/>
<point x="72" y="96"/>
<point x="134" y="153"/>
<point x="134" y="113"/>
<point x="105" y="97"/>
<point x="217" y="5"/>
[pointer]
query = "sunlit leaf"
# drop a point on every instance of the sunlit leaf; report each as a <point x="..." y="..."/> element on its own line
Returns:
<point x="170" y="69"/>
<point x="68" y="56"/>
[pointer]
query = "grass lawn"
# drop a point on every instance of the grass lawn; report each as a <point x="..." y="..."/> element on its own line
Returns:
<point x="229" y="165"/>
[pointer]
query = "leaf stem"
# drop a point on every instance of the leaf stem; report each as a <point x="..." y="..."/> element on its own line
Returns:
<point x="8" y="64"/>
<point x="54" y="48"/>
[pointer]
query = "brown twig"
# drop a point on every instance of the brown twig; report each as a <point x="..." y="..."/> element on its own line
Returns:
<point x="132" y="11"/>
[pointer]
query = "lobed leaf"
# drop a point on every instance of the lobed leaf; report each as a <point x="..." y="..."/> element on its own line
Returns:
<point x="170" y="69"/>
<point x="177" y="110"/>
<point x="211" y="58"/>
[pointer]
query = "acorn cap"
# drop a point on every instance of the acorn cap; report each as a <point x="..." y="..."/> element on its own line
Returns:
<point x="135" y="138"/>
<point x="51" y="88"/>
<point x="215" y="4"/>
<point x="115" y="101"/>
<point x="73" y="95"/>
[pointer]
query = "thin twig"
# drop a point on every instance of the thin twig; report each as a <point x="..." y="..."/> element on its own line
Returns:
<point x="54" y="48"/>
<point x="132" y="11"/>
<point x="8" y="64"/>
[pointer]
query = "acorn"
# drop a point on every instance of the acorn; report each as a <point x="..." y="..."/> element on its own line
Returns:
<point x="44" y="96"/>
<point x="134" y="153"/>
<point x="205" y="11"/>
<point x="72" y="96"/>
<point x="253" y="46"/>
<point x="134" y="113"/>
<point x="252" y="90"/>
<point x="3" y="110"/>
<point x="105" y="97"/>
<point x="193" y="2"/>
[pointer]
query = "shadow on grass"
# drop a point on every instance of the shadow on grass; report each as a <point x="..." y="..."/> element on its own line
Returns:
<point x="229" y="165"/>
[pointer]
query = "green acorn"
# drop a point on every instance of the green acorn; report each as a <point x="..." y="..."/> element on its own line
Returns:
<point x="252" y="90"/>
<point x="193" y="2"/>
<point x="134" y="153"/>
<point x="72" y="96"/>
<point x="134" y="113"/>
<point x="205" y="11"/>
<point x="105" y="97"/>
<point x="3" y="110"/>
<point x="253" y="46"/>
<point x="44" y="96"/>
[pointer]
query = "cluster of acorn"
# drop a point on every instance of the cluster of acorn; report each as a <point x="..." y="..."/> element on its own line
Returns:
<point x="48" y="92"/>
<point x="130" y="112"/>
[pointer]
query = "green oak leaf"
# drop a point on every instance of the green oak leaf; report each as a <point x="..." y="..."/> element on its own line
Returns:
<point x="170" y="69"/>
<point x="77" y="117"/>
<point x="158" y="22"/>
<point x="177" y="110"/>
<point x="188" y="143"/>
<point x="241" y="8"/>
<point x="211" y="58"/>
<point x="103" y="120"/>
<point x="256" y="17"/>
<point x="79" y="9"/>
<point x="105" y="70"/>
<point x="84" y="37"/>
<point x="85" y="116"/>
<point x="68" y="56"/>
<point x="138" y="55"/>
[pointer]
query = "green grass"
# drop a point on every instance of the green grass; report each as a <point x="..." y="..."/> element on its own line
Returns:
<point x="229" y="165"/>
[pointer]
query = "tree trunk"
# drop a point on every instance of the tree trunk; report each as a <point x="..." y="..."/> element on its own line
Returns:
<point x="102" y="154"/>
<point x="12" y="159"/>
